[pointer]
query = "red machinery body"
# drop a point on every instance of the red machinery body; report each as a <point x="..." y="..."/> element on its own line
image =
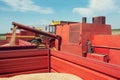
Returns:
<point x="73" y="56"/>
<point x="75" y="36"/>
<point x="108" y="45"/>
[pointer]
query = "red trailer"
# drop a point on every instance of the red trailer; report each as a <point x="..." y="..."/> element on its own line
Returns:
<point x="87" y="50"/>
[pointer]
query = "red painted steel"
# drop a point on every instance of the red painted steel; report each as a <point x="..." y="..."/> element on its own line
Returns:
<point x="75" y="36"/>
<point x="88" y="30"/>
<point x="69" y="48"/>
<point x="23" y="64"/>
<point x="110" y="41"/>
<point x="23" y="43"/>
<point x="26" y="33"/>
<point x="23" y="53"/>
<point x="100" y="50"/>
<point x="91" y="66"/>
<point x="114" y="56"/>
<point x="108" y="44"/>
<point x="23" y="61"/>
<point x="101" y="57"/>
<point x="74" y="44"/>
<point x="63" y="31"/>
<point x="78" y="70"/>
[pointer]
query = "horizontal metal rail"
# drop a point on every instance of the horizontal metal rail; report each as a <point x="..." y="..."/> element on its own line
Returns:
<point x="83" y="67"/>
<point x="107" y="47"/>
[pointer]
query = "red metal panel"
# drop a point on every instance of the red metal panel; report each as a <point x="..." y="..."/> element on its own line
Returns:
<point x="112" y="41"/>
<point x="74" y="34"/>
<point x="26" y="33"/>
<point x="26" y="72"/>
<point x="96" y="56"/>
<point x="88" y="30"/>
<point x="23" y="61"/>
<point x="101" y="50"/>
<point x="23" y="53"/>
<point x="23" y="64"/>
<point x="115" y="56"/>
<point x="72" y="48"/>
<point x="101" y="67"/>
<point x="67" y="42"/>
<point x="85" y="32"/>
<point x="77" y="70"/>
<point x="108" y="44"/>
<point x="63" y="31"/>
<point x="23" y="43"/>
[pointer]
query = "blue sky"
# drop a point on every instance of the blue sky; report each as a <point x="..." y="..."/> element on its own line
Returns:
<point x="42" y="12"/>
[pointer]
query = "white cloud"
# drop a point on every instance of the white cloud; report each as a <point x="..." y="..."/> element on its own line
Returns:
<point x="25" y="5"/>
<point x="98" y="7"/>
<point x="83" y="11"/>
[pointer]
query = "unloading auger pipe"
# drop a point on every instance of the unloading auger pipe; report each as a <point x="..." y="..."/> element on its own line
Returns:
<point x="21" y="26"/>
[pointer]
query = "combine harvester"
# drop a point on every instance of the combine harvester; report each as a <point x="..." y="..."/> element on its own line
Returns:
<point x="87" y="50"/>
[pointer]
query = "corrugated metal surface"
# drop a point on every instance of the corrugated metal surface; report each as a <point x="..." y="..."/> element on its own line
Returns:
<point x="87" y="69"/>
<point x="74" y="34"/>
<point x="14" y="62"/>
